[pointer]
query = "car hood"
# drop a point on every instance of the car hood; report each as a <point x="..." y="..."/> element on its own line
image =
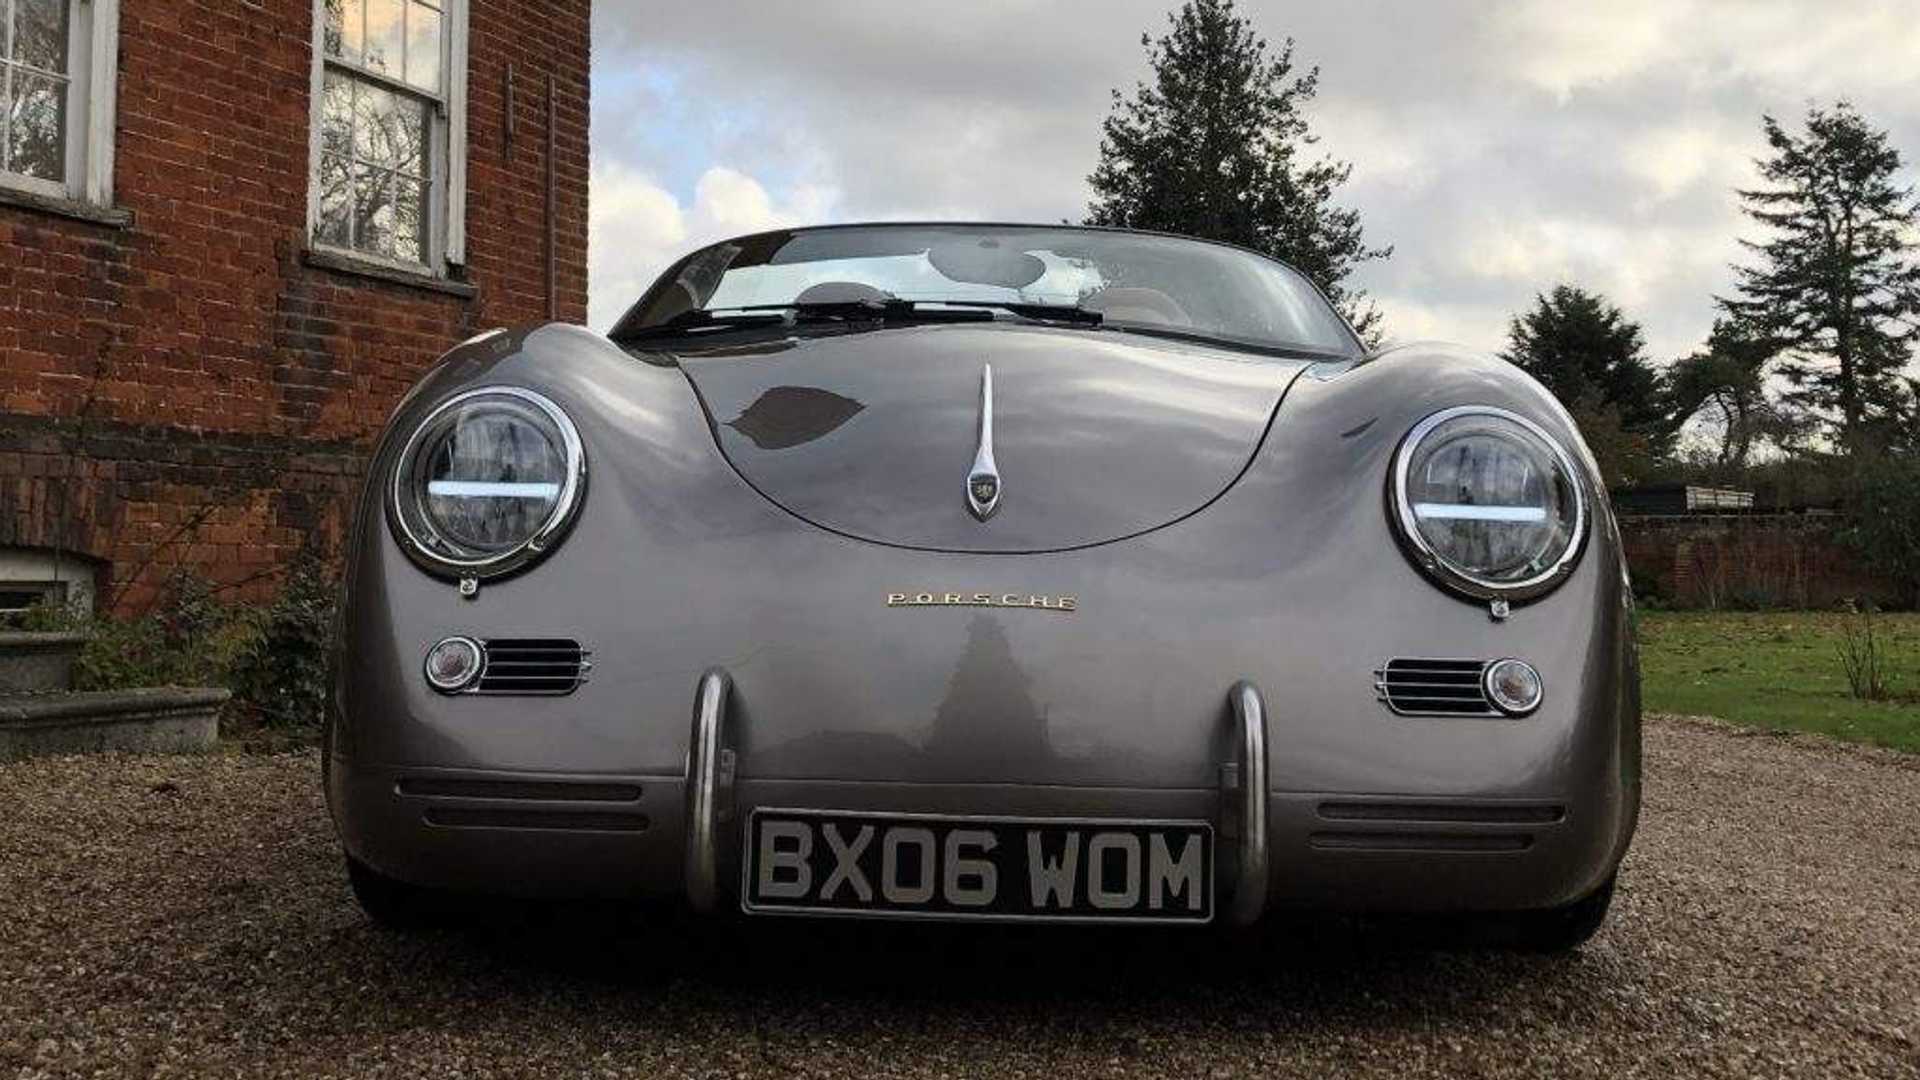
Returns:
<point x="1097" y="435"/>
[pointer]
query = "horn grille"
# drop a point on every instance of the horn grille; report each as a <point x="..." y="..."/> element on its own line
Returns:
<point x="1415" y="687"/>
<point x="533" y="666"/>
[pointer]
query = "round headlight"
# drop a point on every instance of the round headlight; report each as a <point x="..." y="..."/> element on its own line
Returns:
<point x="488" y="482"/>
<point x="1488" y="503"/>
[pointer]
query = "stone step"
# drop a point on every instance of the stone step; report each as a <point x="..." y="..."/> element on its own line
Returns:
<point x="33" y="662"/>
<point x="161" y="720"/>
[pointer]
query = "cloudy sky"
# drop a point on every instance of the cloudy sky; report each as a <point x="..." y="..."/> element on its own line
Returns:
<point x="1500" y="148"/>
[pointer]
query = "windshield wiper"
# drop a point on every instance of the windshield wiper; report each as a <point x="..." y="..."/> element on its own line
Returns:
<point x="752" y="316"/>
<point x="700" y="318"/>
<point x="1068" y="313"/>
<point x="896" y="308"/>
<point x="856" y="310"/>
<point x="891" y="308"/>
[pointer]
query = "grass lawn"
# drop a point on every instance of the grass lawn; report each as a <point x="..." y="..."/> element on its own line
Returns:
<point x="1779" y="670"/>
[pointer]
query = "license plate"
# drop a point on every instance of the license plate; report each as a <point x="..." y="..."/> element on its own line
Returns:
<point x="921" y="866"/>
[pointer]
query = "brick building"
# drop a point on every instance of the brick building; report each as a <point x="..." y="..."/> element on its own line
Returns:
<point x="232" y="232"/>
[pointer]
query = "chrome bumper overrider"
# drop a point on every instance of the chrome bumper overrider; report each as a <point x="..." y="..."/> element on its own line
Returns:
<point x="1245" y="783"/>
<point x="710" y="771"/>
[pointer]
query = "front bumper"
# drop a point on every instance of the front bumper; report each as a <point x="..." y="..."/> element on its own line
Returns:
<point x="553" y="834"/>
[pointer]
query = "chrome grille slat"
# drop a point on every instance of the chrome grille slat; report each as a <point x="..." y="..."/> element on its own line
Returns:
<point x="532" y="667"/>
<point x="532" y="650"/>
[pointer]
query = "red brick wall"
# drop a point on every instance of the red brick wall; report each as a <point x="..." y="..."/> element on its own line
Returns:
<point x="1734" y="561"/>
<point x="187" y="392"/>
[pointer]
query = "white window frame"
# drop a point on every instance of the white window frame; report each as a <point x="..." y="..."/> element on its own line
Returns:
<point x="60" y="576"/>
<point x="93" y="64"/>
<point x="447" y="197"/>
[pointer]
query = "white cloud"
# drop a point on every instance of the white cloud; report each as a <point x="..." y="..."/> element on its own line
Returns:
<point x="1562" y="47"/>
<point x="1674" y="157"/>
<point x="1813" y="49"/>
<point x="638" y="227"/>
<point x="1410" y="319"/>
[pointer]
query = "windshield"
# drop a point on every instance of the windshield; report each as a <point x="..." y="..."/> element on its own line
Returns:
<point x="1133" y="281"/>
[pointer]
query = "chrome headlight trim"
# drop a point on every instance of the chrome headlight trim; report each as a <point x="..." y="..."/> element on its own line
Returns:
<point x="1436" y="566"/>
<point x="429" y="556"/>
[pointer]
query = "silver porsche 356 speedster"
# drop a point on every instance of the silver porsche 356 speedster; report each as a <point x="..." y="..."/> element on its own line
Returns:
<point x="986" y="572"/>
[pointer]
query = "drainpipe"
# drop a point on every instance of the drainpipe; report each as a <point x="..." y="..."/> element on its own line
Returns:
<point x="553" y="256"/>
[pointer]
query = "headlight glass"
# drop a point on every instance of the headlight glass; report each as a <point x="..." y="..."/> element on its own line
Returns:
<point x="1489" y="502"/>
<point x="488" y="481"/>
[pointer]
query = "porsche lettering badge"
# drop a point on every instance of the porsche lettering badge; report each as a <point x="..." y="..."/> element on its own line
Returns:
<point x="981" y="599"/>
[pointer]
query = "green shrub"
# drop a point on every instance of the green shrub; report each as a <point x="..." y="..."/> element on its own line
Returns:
<point x="1883" y="520"/>
<point x="1649" y="591"/>
<point x="1652" y="600"/>
<point x="274" y="657"/>
<point x="1863" y="653"/>
<point x="188" y="639"/>
<point x="282" y="674"/>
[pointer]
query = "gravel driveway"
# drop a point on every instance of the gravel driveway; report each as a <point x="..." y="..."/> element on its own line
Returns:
<point x="189" y="916"/>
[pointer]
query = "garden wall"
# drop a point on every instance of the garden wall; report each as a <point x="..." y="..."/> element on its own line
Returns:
<point x="1747" y="561"/>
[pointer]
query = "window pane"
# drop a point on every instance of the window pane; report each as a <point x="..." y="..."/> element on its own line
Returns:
<point x="36" y="128"/>
<point x="336" y="202"/>
<point x="373" y="180"/>
<point x="373" y="225"/>
<point x="410" y="219"/>
<point x="390" y="130"/>
<point x="423" y="47"/>
<point x="384" y="35"/>
<point x="40" y="34"/>
<point x="6" y="113"/>
<point x="344" y="20"/>
<point x="336" y="115"/>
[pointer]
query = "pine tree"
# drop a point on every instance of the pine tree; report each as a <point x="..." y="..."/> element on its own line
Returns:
<point x="1216" y="147"/>
<point x="1837" y="286"/>
<point x="1593" y="359"/>
<point x="1725" y="383"/>
<point x="1581" y="347"/>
